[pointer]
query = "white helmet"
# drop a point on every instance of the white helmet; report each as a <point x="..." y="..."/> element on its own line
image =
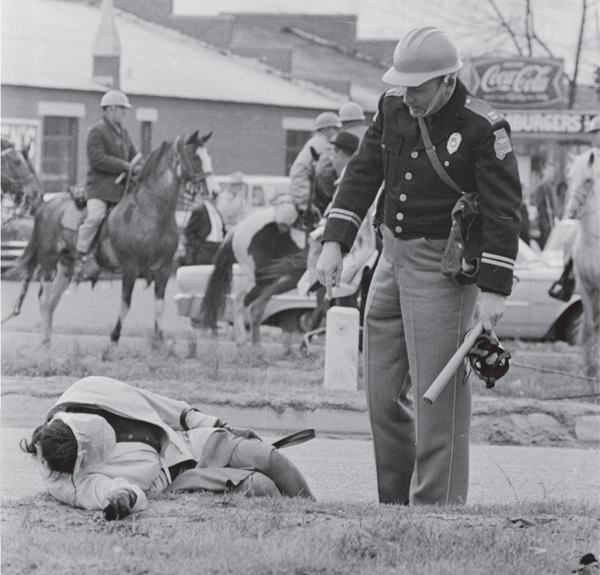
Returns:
<point x="351" y="111"/>
<point x="327" y="120"/>
<point x="423" y="54"/>
<point x="115" y="98"/>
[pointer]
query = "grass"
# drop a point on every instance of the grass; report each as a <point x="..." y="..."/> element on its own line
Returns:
<point x="199" y="533"/>
<point x="217" y="371"/>
<point x="211" y="534"/>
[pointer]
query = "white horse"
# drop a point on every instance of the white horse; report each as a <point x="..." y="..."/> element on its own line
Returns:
<point x="583" y="204"/>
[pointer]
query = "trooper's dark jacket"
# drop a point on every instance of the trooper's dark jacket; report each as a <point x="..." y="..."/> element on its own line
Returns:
<point x="473" y="144"/>
<point x="109" y="153"/>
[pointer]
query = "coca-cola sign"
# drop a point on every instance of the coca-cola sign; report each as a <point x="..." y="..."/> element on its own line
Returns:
<point x="519" y="82"/>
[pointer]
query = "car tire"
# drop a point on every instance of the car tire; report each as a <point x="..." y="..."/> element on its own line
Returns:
<point x="573" y="326"/>
<point x="295" y="320"/>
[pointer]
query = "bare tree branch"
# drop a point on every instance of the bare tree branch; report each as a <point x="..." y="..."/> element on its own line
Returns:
<point x="573" y="81"/>
<point x="507" y="26"/>
<point x="528" y="26"/>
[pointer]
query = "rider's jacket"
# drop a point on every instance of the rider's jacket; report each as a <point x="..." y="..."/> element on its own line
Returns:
<point x="109" y="151"/>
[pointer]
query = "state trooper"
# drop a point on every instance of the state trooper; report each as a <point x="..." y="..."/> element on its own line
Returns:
<point x="417" y="316"/>
<point x="352" y="117"/>
<point x="327" y="125"/>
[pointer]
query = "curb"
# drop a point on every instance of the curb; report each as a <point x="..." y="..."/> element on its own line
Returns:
<point x="512" y="422"/>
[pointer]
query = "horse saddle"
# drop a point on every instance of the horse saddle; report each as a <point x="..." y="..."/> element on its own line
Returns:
<point x="73" y="216"/>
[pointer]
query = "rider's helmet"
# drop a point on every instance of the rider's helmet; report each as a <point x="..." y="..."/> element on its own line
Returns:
<point x="327" y="120"/>
<point x="485" y="346"/>
<point x="351" y="112"/>
<point x="115" y="98"/>
<point x="423" y="54"/>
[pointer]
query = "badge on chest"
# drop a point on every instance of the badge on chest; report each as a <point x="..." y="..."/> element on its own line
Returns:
<point x="454" y="142"/>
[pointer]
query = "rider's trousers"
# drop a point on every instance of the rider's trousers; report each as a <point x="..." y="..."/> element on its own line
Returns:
<point x="96" y="211"/>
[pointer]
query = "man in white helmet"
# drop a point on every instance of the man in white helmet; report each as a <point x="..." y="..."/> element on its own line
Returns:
<point x="417" y="315"/>
<point x="353" y="119"/>
<point x="327" y="125"/>
<point x="110" y="152"/>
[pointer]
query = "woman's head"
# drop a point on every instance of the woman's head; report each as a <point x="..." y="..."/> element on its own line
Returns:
<point x="57" y="444"/>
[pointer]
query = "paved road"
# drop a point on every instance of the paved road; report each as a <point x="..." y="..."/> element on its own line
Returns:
<point x="86" y="310"/>
<point x="343" y="470"/>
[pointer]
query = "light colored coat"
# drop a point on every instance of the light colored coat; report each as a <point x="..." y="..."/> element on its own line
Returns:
<point x="103" y="465"/>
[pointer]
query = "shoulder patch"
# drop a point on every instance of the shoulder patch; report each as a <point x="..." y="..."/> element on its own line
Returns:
<point x="398" y="92"/>
<point x="482" y="109"/>
<point x="502" y="145"/>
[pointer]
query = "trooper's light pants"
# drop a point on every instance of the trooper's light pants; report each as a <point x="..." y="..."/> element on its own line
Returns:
<point x="415" y="320"/>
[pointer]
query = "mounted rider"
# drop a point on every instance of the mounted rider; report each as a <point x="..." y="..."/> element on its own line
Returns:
<point x="110" y="153"/>
<point x="327" y="125"/>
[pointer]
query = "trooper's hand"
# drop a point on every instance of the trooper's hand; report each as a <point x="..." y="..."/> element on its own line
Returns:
<point x="329" y="266"/>
<point x="120" y="504"/>
<point x="491" y="309"/>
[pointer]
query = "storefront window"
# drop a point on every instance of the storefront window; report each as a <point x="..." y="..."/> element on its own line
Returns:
<point x="59" y="153"/>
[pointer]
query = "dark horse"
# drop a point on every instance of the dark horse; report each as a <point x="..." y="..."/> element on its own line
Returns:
<point x="21" y="190"/>
<point x="138" y="239"/>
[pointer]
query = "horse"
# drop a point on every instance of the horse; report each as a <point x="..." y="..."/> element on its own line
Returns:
<point x="21" y="189"/>
<point x="254" y="243"/>
<point x="138" y="238"/>
<point x="583" y="204"/>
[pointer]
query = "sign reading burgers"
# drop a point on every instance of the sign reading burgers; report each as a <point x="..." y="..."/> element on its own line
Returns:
<point x="519" y="82"/>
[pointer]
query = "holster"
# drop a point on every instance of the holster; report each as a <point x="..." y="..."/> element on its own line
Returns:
<point x="458" y="263"/>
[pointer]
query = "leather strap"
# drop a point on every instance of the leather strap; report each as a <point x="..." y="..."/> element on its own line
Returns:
<point x="437" y="165"/>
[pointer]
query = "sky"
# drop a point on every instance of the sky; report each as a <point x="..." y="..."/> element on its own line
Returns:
<point x="556" y="22"/>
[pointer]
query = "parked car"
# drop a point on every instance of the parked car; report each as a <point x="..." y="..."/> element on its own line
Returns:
<point x="530" y="312"/>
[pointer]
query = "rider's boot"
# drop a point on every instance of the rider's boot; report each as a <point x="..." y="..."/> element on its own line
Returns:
<point x="86" y="267"/>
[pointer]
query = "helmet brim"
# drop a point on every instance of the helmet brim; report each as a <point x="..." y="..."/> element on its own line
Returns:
<point x="411" y="79"/>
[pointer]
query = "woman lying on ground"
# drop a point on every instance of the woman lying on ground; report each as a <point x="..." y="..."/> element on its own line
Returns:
<point x="106" y="445"/>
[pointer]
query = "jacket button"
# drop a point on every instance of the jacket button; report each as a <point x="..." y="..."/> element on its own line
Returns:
<point x="414" y="154"/>
<point x="446" y="163"/>
<point x="397" y="229"/>
<point x="468" y="100"/>
<point x="399" y="216"/>
<point x="130" y="436"/>
<point x="402" y="197"/>
<point x="459" y="246"/>
<point x="408" y="176"/>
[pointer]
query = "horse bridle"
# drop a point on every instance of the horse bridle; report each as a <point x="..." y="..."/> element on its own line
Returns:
<point x="7" y="166"/>
<point x="193" y="181"/>
<point x="9" y="177"/>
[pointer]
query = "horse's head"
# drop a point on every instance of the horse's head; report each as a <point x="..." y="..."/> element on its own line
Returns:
<point x="195" y="165"/>
<point x="20" y="185"/>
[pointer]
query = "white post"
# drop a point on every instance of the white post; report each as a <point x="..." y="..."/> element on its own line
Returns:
<point x="341" y="348"/>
